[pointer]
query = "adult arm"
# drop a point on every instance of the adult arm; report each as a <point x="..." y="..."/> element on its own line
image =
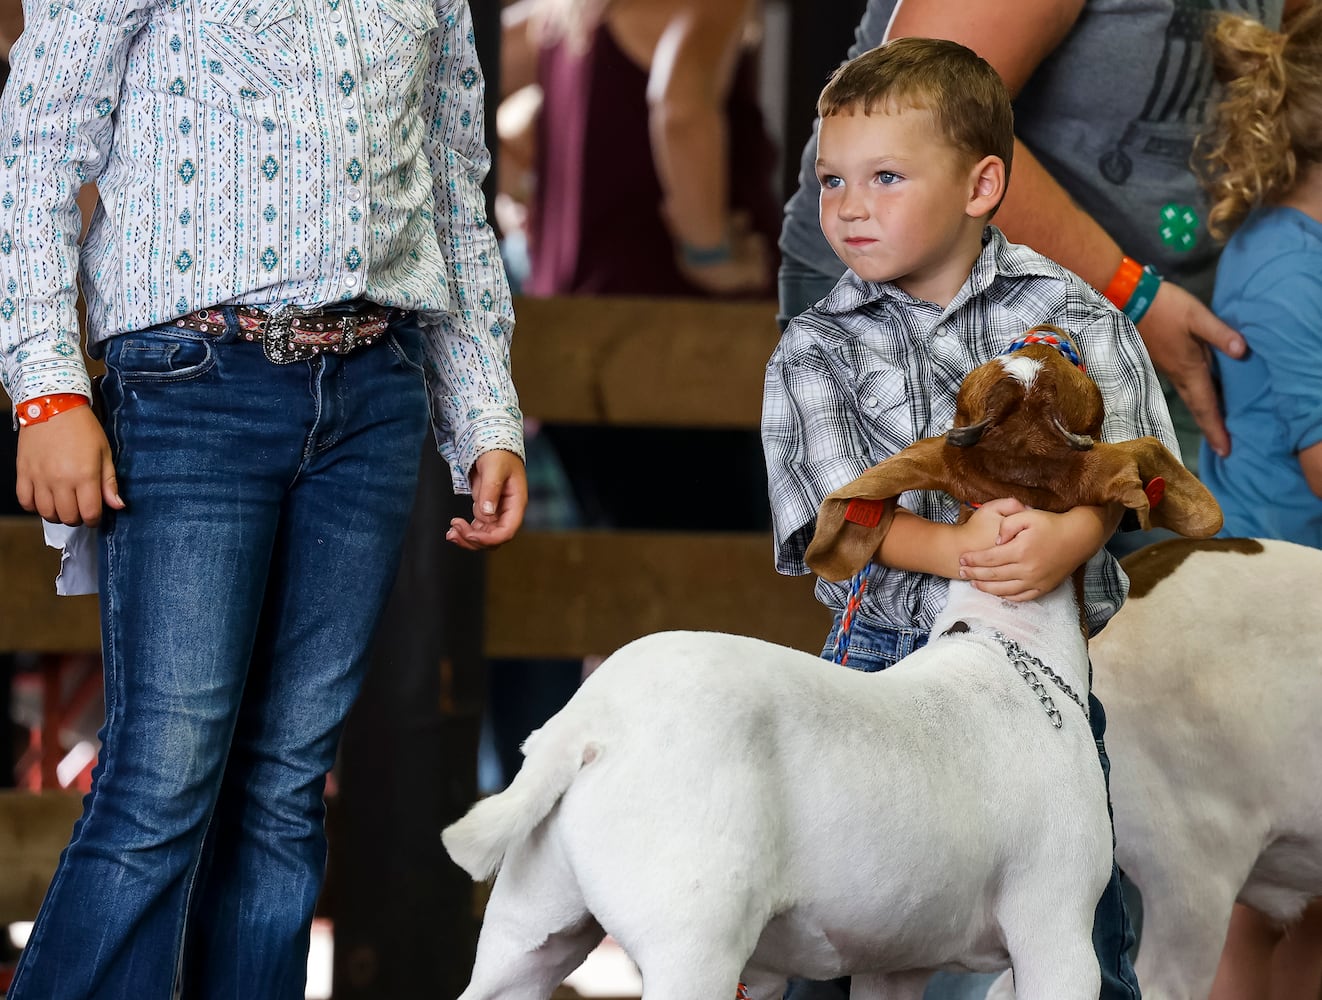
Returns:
<point x="691" y="72"/>
<point x="474" y="406"/>
<point x="518" y="46"/>
<point x="1037" y="211"/>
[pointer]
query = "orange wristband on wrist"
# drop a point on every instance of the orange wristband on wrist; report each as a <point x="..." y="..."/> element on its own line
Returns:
<point x="39" y="409"/>
<point x="1123" y="282"/>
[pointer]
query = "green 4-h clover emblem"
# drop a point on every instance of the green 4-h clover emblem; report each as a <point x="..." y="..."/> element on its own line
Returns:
<point x="1179" y="227"/>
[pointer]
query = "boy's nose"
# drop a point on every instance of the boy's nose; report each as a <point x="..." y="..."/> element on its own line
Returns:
<point x="852" y="205"/>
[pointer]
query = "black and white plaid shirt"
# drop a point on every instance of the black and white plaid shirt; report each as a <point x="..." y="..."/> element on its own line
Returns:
<point x="870" y="370"/>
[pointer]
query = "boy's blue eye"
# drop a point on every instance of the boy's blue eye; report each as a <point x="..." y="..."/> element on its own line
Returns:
<point x="886" y="177"/>
<point x="831" y="181"/>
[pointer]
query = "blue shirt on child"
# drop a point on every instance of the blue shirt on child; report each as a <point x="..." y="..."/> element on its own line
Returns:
<point x="1269" y="287"/>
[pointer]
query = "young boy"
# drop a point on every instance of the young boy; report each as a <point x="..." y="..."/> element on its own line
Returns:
<point x="914" y="156"/>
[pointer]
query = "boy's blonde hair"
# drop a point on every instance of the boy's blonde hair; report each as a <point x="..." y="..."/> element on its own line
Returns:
<point x="1267" y="127"/>
<point x="966" y="97"/>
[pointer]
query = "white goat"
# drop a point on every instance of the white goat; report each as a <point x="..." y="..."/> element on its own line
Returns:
<point x="1212" y="676"/>
<point x="721" y="805"/>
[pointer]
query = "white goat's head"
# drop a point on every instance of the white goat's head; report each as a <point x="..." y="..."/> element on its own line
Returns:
<point x="1026" y="426"/>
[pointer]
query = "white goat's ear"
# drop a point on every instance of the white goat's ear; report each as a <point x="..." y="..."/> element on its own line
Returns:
<point x="853" y="520"/>
<point x="1144" y="476"/>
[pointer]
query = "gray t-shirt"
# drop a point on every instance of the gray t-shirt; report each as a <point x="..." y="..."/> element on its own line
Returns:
<point x="1112" y="114"/>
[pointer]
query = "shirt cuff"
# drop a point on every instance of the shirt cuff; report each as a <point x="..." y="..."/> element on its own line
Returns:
<point x="482" y="428"/>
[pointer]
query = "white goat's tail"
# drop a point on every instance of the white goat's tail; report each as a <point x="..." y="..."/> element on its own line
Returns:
<point x="553" y="756"/>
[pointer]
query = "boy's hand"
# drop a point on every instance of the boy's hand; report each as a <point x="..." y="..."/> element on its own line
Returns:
<point x="500" y="496"/>
<point x="984" y="528"/>
<point x="65" y="473"/>
<point x="1035" y="550"/>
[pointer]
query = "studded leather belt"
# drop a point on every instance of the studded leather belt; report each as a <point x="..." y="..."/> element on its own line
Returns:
<point x="292" y="333"/>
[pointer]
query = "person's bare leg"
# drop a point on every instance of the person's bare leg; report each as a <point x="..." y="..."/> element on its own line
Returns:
<point x="1296" y="968"/>
<point x="1245" y="972"/>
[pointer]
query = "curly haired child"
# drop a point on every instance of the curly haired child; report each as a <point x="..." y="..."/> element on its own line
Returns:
<point x="1260" y="160"/>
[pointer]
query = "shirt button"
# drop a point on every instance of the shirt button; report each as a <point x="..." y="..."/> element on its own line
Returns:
<point x="351" y="281"/>
<point x="873" y="402"/>
<point x="335" y="15"/>
<point x="252" y="19"/>
<point x="940" y="331"/>
<point x="355" y="194"/>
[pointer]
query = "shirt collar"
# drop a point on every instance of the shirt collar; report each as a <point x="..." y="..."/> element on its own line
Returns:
<point x="998" y="257"/>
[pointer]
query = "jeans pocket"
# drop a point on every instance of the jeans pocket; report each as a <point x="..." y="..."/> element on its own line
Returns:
<point x="406" y="344"/>
<point x="156" y="356"/>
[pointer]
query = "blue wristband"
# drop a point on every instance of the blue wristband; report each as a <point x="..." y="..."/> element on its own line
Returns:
<point x="706" y="256"/>
<point x="1144" y="292"/>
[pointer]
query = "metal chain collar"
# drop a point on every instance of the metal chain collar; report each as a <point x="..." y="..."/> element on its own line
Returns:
<point x="1024" y="662"/>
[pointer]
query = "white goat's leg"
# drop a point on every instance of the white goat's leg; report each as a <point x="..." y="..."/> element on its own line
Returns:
<point x="536" y="930"/>
<point x="889" y="986"/>
<point x="679" y="974"/>
<point x="509" y="970"/>
<point x="1183" y="936"/>
<point x="764" y="985"/>
<point x="1054" y="960"/>
<point x="697" y="958"/>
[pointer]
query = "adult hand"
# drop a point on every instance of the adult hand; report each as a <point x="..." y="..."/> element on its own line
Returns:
<point x="1177" y="331"/>
<point x="65" y="472"/>
<point x="500" y="497"/>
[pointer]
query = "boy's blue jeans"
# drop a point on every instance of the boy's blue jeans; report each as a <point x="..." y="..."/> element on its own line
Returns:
<point x="873" y="648"/>
<point x="240" y="588"/>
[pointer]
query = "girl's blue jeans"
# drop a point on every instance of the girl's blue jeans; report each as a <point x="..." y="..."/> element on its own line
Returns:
<point x="872" y="648"/>
<point x="240" y="588"/>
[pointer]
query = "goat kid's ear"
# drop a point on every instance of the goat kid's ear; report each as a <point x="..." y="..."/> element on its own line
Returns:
<point x="1184" y="505"/>
<point x="842" y="546"/>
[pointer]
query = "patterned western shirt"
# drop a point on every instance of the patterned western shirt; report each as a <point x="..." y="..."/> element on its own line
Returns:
<point x="258" y="152"/>
<point x="870" y="370"/>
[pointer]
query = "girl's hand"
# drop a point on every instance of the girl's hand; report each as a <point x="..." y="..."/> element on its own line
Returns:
<point x="500" y="497"/>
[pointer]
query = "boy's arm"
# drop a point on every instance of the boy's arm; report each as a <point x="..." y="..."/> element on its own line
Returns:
<point x="917" y="545"/>
<point x="809" y="438"/>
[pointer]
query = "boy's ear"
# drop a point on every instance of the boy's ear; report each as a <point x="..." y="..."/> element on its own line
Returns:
<point x="988" y="187"/>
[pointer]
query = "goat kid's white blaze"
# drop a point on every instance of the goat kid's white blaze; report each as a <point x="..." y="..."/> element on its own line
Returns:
<point x="1022" y="369"/>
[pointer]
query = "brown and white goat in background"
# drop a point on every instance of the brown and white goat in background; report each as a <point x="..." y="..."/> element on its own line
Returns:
<point x="724" y="807"/>
<point x="1211" y="675"/>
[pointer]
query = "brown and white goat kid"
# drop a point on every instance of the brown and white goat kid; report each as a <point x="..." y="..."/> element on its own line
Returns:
<point x="724" y="806"/>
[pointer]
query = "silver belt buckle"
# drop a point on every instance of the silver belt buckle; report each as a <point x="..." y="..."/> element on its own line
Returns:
<point x="276" y="342"/>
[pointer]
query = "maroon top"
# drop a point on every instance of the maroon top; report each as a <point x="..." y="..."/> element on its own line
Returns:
<point x="595" y="225"/>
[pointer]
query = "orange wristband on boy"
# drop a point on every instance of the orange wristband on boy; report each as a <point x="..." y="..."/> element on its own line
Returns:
<point x="39" y="409"/>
